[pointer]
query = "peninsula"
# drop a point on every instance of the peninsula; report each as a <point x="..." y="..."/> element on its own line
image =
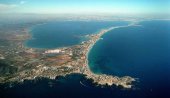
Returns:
<point x="30" y="63"/>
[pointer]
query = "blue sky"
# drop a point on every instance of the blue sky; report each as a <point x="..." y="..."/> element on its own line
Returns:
<point x="85" y="6"/>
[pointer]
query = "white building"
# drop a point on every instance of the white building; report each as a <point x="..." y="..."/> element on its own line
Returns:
<point x="53" y="51"/>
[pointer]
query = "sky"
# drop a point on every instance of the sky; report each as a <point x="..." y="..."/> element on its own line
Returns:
<point x="86" y="6"/>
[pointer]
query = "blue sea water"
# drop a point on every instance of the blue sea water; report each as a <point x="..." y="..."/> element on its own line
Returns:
<point x="65" y="33"/>
<point x="139" y="51"/>
<point x="61" y="87"/>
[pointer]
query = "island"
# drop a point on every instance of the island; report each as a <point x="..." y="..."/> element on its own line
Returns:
<point x="25" y="63"/>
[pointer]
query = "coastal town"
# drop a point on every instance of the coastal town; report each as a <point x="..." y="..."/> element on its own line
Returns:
<point x="26" y="63"/>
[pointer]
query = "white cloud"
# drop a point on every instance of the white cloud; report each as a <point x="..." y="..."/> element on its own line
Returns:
<point x="22" y="2"/>
<point x="7" y="6"/>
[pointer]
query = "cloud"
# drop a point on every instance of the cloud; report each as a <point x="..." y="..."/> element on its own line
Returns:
<point x="7" y="6"/>
<point x="22" y="2"/>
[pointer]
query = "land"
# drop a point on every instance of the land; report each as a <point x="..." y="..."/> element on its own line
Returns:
<point x="18" y="62"/>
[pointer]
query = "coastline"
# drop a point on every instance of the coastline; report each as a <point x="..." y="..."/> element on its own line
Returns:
<point x="68" y="77"/>
<point x="109" y="29"/>
<point x="29" y="32"/>
<point x="74" y="59"/>
<point x="125" y="81"/>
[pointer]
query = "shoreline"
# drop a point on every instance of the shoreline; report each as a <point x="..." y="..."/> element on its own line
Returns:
<point x="107" y="30"/>
<point x="29" y="31"/>
<point x="125" y="81"/>
<point x="67" y="60"/>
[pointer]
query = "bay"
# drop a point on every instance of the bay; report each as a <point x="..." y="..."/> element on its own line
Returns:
<point x="141" y="52"/>
<point x="65" y="33"/>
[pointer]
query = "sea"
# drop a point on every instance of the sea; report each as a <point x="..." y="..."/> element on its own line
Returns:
<point x="142" y="52"/>
<point x="65" y="33"/>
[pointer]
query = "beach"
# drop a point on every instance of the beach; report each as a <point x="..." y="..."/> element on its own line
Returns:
<point x="105" y="79"/>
